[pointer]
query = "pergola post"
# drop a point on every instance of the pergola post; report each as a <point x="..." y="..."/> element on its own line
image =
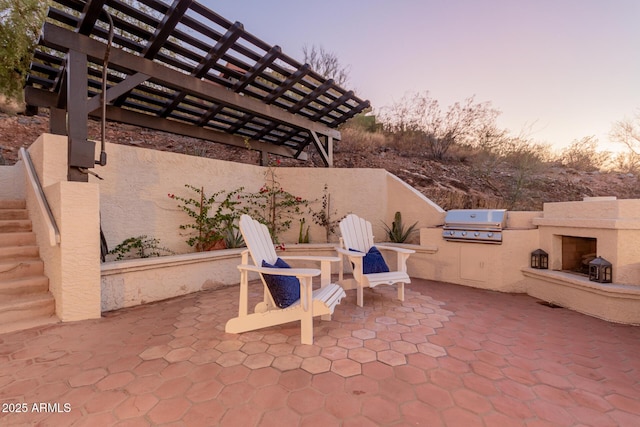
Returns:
<point x="81" y="152"/>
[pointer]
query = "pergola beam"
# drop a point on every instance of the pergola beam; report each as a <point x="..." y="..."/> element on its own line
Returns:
<point x="62" y="39"/>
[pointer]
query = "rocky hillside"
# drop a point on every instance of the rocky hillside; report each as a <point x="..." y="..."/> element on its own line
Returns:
<point x="463" y="181"/>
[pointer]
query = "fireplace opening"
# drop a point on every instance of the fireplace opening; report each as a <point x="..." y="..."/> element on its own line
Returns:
<point x="577" y="252"/>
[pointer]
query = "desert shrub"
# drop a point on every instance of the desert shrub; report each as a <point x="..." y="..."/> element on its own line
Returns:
<point x="355" y="139"/>
<point x="582" y="155"/>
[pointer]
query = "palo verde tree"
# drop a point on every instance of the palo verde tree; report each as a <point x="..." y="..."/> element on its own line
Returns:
<point x="419" y="118"/>
<point x="20" y="23"/>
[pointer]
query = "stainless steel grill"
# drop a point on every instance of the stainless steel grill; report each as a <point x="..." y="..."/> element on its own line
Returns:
<point x="475" y="225"/>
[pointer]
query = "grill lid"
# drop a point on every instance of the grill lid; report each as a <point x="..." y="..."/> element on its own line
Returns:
<point x="476" y="219"/>
<point x="475" y="225"/>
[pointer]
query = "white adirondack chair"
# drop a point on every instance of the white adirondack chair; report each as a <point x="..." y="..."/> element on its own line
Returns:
<point x="357" y="234"/>
<point x="319" y="302"/>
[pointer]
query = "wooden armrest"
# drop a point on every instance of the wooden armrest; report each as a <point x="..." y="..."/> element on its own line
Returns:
<point x="297" y="272"/>
<point x="396" y="249"/>
<point x="350" y="253"/>
<point x="311" y="258"/>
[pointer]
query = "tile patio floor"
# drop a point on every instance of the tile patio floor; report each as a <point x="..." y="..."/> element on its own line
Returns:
<point x="447" y="356"/>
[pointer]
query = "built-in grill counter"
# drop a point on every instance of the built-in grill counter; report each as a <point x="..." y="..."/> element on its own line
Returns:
<point x="475" y="225"/>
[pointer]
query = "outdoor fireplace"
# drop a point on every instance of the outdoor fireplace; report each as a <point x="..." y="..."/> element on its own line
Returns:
<point x="576" y="233"/>
<point x="577" y="253"/>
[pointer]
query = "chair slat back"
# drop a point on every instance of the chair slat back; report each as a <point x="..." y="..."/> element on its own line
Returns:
<point x="258" y="240"/>
<point x="356" y="233"/>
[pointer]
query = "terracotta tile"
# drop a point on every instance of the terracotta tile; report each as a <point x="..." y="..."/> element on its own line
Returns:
<point x="319" y="419"/>
<point x="461" y="417"/>
<point x="115" y="381"/>
<point x="420" y="414"/>
<point x="233" y="374"/>
<point x="305" y="401"/>
<point x="173" y="388"/>
<point x="471" y="401"/>
<point x="203" y="391"/>
<point x="280" y="417"/>
<point x="346" y="367"/>
<point x="377" y="370"/>
<point x="263" y="377"/>
<point x="135" y="406"/>
<point x="286" y="363"/>
<point x="155" y="352"/>
<point x="316" y="365"/>
<point x="87" y="377"/>
<point x="392" y="357"/>
<point x="245" y="415"/>
<point x="169" y="410"/>
<point x="380" y="409"/>
<point x="260" y="360"/>
<point x="362" y="355"/>
<point x="295" y="380"/>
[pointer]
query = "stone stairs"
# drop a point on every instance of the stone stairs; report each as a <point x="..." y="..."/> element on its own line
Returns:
<point x="25" y="300"/>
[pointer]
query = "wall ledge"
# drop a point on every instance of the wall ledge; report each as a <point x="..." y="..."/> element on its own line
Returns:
<point x="583" y="283"/>
<point x="140" y="264"/>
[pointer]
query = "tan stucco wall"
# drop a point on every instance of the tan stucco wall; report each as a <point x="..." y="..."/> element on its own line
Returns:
<point x="486" y="266"/>
<point x="12" y="181"/>
<point x="73" y="266"/>
<point x="137" y="181"/>
<point x="138" y="281"/>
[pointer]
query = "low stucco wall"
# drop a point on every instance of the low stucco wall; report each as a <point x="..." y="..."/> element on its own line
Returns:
<point x="607" y="301"/>
<point x="139" y="281"/>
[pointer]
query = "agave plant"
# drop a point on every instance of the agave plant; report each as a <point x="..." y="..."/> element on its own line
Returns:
<point x="397" y="232"/>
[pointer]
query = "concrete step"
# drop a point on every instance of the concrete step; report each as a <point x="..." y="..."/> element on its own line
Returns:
<point x="28" y="307"/>
<point x="15" y="225"/>
<point x="27" y="238"/>
<point x="13" y="204"/>
<point x="11" y="270"/>
<point x="24" y="286"/>
<point x="17" y="253"/>
<point x="6" y="214"/>
<point x="28" y="324"/>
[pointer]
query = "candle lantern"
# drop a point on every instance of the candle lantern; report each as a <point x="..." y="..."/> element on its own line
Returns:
<point x="600" y="270"/>
<point x="539" y="259"/>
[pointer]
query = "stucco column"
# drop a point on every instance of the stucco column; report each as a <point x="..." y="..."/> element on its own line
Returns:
<point x="76" y="283"/>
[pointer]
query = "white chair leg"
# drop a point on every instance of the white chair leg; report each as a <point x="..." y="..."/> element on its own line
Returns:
<point x="306" y="328"/>
<point x="360" y="296"/>
<point x="401" y="291"/>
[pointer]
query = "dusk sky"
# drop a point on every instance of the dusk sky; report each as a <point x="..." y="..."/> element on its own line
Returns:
<point x="559" y="69"/>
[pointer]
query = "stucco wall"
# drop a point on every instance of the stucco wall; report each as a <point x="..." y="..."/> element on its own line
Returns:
<point x="137" y="181"/>
<point x="12" y="181"/>
<point x="73" y="266"/>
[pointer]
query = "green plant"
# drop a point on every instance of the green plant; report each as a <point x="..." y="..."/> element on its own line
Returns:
<point x="214" y="217"/>
<point x="139" y="247"/>
<point x="397" y="232"/>
<point x="233" y="237"/>
<point x="273" y="206"/>
<point x="324" y="216"/>
<point x="303" y="235"/>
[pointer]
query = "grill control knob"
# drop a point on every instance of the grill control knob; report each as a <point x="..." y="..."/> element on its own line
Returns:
<point x="490" y="234"/>
<point x="464" y="233"/>
<point x="476" y="234"/>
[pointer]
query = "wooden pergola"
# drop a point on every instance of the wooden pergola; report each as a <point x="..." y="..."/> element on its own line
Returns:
<point x="183" y="69"/>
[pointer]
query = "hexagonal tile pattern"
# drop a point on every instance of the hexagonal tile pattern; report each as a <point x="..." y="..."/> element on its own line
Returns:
<point x="447" y="354"/>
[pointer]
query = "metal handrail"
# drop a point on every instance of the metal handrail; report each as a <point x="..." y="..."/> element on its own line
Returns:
<point x="45" y="209"/>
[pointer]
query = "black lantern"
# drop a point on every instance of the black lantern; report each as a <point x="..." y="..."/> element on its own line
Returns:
<point x="600" y="270"/>
<point x="539" y="259"/>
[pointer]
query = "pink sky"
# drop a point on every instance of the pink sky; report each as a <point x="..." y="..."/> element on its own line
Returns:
<point x="565" y="69"/>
